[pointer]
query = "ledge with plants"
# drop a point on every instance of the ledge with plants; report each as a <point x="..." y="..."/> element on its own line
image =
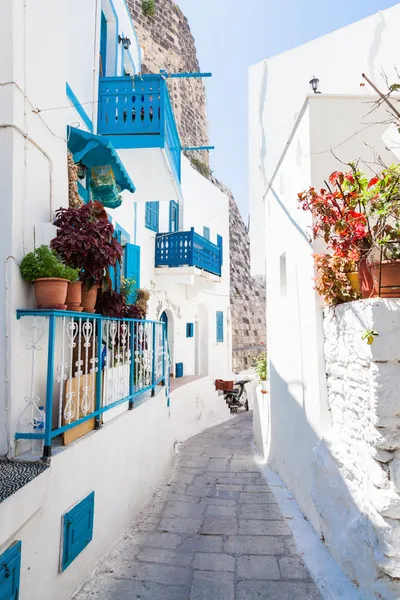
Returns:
<point x="359" y="220"/>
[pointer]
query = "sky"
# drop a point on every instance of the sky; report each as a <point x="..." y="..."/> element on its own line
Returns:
<point x="230" y="36"/>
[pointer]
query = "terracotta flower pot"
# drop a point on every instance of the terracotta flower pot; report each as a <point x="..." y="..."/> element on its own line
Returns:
<point x="89" y="298"/>
<point x="365" y="278"/>
<point x="354" y="281"/>
<point x="264" y="387"/>
<point x="51" y="292"/>
<point x="390" y="279"/>
<point x="74" y="295"/>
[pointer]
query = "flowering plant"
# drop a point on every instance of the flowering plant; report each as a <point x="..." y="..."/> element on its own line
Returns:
<point x="332" y="281"/>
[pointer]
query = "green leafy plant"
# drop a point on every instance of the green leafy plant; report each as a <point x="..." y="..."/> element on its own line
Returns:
<point x="331" y="279"/>
<point x="149" y="7"/>
<point x="44" y="263"/>
<point x="128" y="289"/>
<point x="369" y="336"/>
<point x="261" y="366"/>
<point x="201" y="167"/>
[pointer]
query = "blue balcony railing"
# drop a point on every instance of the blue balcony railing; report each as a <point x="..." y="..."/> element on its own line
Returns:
<point x="90" y="364"/>
<point x="139" y="111"/>
<point x="188" y="248"/>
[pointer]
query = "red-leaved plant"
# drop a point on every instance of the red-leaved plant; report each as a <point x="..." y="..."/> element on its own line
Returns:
<point x="332" y="281"/>
<point x="85" y="241"/>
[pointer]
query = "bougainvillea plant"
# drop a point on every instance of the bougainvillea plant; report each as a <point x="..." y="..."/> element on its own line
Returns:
<point x="85" y="240"/>
<point x="332" y="281"/>
<point x="356" y="213"/>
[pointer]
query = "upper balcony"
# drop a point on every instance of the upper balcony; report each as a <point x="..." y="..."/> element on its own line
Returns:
<point x="136" y="114"/>
<point x="187" y="257"/>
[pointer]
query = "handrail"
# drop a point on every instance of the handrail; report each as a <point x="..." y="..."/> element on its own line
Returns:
<point x="188" y="248"/>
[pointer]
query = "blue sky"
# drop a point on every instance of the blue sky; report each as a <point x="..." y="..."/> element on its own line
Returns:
<point x="230" y="36"/>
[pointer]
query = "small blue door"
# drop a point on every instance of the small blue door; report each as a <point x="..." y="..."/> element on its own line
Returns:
<point x="10" y="566"/>
<point x="164" y="319"/>
<point x="132" y="268"/>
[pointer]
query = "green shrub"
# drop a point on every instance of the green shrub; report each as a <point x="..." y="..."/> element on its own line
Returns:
<point x="149" y="7"/>
<point x="261" y="366"/>
<point x="201" y="167"/>
<point x="44" y="262"/>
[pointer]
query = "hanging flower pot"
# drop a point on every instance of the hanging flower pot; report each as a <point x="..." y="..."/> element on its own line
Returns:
<point x="103" y="186"/>
<point x="89" y="298"/>
<point x="74" y="295"/>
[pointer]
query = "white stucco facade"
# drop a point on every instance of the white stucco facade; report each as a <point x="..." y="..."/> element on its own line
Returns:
<point x="296" y="141"/>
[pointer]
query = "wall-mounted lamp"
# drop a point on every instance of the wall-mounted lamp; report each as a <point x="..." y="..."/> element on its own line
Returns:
<point x="81" y="170"/>
<point x="126" y="42"/>
<point x="314" y="82"/>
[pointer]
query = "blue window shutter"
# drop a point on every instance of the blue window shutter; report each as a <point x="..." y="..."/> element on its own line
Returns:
<point x="179" y="370"/>
<point x="220" y="326"/>
<point x="151" y="220"/>
<point x="115" y="272"/>
<point x="103" y="44"/>
<point x="206" y="233"/>
<point x="220" y="245"/>
<point x="132" y="267"/>
<point x="10" y="569"/>
<point x="173" y="216"/>
<point x="77" y="530"/>
<point x="189" y="330"/>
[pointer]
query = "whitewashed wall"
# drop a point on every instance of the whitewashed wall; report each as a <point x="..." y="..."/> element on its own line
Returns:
<point x="123" y="463"/>
<point x="356" y="485"/>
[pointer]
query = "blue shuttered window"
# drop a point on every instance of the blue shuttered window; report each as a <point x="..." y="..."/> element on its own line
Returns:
<point x="115" y="272"/>
<point x="173" y="216"/>
<point x="132" y="268"/>
<point x="103" y="45"/>
<point x="179" y="370"/>
<point x="220" y="326"/>
<point x="77" y="530"/>
<point x="206" y="233"/>
<point x="151" y="220"/>
<point x="189" y="330"/>
<point x="10" y="569"/>
<point x="220" y="245"/>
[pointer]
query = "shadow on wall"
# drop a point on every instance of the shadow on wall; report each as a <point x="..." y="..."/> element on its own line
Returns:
<point x="308" y="468"/>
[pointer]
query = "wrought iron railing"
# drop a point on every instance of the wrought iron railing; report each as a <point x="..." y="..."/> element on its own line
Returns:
<point x="92" y="365"/>
<point x="140" y="108"/>
<point x="188" y="248"/>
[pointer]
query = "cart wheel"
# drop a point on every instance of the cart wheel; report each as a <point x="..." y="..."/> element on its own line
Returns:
<point x="246" y="405"/>
<point x="233" y="410"/>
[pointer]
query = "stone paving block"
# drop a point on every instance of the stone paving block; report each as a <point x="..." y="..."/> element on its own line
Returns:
<point x="214" y="562"/>
<point x="260" y="511"/>
<point x="128" y="589"/>
<point x="277" y="590"/>
<point x="250" y="498"/>
<point x="177" y="488"/>
<point x="258" y="567"/>
<point x="217" y="464"/>
<point x="258" y="489"/>
<point x="220" y="526"/>
<point x="253" y="544"/>
<point x="224" y="494"/>
<point x="165" y="557"/>
<point x="198" y="491"/>
<point x="230" y="487"/>
<point x="236" y="479"/>
<point x="218" y="501"/>
<point x="157" y="573"/>
<point x="291" y="547"/>
<point x="182" y="478"/>
<point x="212" y="586"/>
<point x="184" y="510"/>
<point x="181" y="498"/>
<point x="175" y="525"/>
<point x="221" y="511"/>
<point x="157" y="540"/>
<point x="202" y="543"/>
<point x="293" y="568"/>
<point x="266" y="527"/>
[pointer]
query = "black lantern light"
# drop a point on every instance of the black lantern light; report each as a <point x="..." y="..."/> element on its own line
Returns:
<point x="81" y="170"/>
<point x="314" y="82"/>
<point x="125" y="41"/>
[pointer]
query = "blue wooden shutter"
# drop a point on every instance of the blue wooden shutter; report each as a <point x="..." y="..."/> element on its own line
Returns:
<point x="115" y="272"/>
<point x="103" y="43"/>
<point x="77" y="530"/>
<point x="189" y="330"/>
<point x="220" y="326"/>
<point x="10" y="569"/>
<point x="151" y="220"/>
<point x="173" y="216"/>
<point x="221" y="247"/>
<point x="206" y="233"/>
<point x="132" y="268"/>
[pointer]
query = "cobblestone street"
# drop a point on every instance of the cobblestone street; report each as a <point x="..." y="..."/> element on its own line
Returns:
<point x="213" y="532"/>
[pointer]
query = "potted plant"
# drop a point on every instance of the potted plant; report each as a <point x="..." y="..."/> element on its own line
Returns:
<point x="85" y="240"/>
<point x="49" y="275"/>
<point x="336" y="279"/>
<point x="262" y="371"/>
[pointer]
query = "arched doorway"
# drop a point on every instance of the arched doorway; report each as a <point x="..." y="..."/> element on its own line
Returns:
<point x="201" y="334"/>
<point x="167" y="318"/>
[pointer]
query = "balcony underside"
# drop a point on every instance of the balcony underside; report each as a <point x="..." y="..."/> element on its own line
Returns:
<point x="152" y="172"/>
<point x="169" y="276"/>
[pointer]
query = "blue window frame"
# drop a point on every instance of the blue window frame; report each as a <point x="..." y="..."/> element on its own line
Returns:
<point x="77" y="530"/>
<point x="173" y="216"/>
<point x="220" y="326"/>
<point x="189" y="330"/>
<point x="10" y="571"/>
<point x="206" y="233"/>
<point x="151" y="221"/>
<point x="103" y="45"/>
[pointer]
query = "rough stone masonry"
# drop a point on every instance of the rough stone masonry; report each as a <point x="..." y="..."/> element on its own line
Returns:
<point x="169" y="44"/>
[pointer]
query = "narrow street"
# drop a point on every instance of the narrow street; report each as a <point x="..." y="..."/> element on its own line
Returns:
<point x="213" y="532"/>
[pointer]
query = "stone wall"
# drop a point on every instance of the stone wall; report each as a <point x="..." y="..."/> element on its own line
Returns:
<point x="168" y="44"/>
<point x="356" y="485"/>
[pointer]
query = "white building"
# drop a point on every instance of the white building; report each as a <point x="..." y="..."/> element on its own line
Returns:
<point x="67" y="82"/>
<point x="297" y="139"/>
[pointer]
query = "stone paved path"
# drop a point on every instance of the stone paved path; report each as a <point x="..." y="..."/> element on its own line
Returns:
<point x="214" y="532"/>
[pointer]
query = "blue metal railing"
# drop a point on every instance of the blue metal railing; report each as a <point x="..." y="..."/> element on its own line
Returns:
<point x="93" y="364"/>
<point x="140" y="108"/>
<point x="188" y="248"/>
